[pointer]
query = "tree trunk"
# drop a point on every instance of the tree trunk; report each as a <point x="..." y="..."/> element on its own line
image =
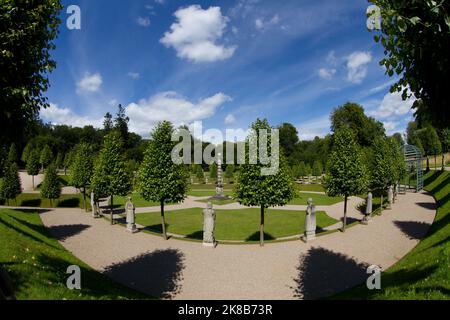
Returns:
<point x="428" y="164"/>
<point x="84" y="199"/>
<point x="344" y="223"/>
<point x="65" y="171"/>
<point x="112" y="210"/>
<point x="261" y="228"/>
<point x="443" y="161"/>
<point x="163" y="221"/>
<point x="435" y="163"/>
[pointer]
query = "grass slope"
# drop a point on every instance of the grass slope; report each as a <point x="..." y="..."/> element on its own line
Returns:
<point x="424" y="273"/>
<point x="35" y="200"/>
<point x="233" y="224"/>
<point x="37" y="263"/>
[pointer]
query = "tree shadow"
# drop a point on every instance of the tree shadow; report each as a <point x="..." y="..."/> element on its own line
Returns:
<point x="412" y="229"/>
<point x="322" y="272"/>
<point x="69" y="203"/>
<point x="427" y="205"/>
<point x="31" y="203"/>
<point x="157" y="273"/>
<point x="157" y="228"/>
<point x="64" y="232"/>
<point x="197" y="235"/>
<point x="255" y="237"/>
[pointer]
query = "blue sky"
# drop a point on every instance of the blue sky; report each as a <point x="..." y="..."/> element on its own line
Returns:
<point x="224" y="63"/>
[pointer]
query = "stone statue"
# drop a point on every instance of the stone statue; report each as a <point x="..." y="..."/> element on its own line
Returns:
<point x="369" y="209"/>
<point x="209" y="221"/>
<point x="390" y="198"/>
<point x="94" y="206"/>
<point x="219" y="185"/>
<point x="310" y="221"/>
<point x="129" y="210"/>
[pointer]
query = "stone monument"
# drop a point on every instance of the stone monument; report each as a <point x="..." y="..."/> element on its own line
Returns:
<point x="94" y="206"/>
<point x="369" y="203"/>
<point x="310" y="221"/>
<point x="390" y="198"/>
<point x="209" y="221"/>
<point x="219" y="185"/>
<point x="129" y="210"/>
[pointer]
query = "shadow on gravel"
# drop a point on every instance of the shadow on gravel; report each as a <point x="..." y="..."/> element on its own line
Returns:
<point x="322" y="272"/>
<point x="64" y="232"/>
<point x="157" y="273"/>
<point x="413" y="229"/>
<point x="427" y="205"/>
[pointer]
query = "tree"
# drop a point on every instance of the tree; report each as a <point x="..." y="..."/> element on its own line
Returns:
<point x="398" y="138"/>
<point x="199" y="173"/>
<point x="68" y="158"/>
<point x="351" y="116"/>
<point x="415" y="38"/>
<point x="397" y="159"/>
<point x="380" y="168"/>
<point x="51" y="187"/>
<point x="445" y="140"/>
<point x="82" y="169"/>
<point x="229" y="173"/>
<point x="308" y="170"/>
<point x="213" y="171"/>
<point x="46" y="157"/>
<point x="347" y="174"/>
<point x="33" y="165"/>
<point x="317" y="169"/>
<point x="26" y="37"/>
<point x="26" y="152"/>
<point x="107" y="123"/>
<point x="288" y="138"/>
<point x="430" y="142"/>
<point x="301" y="170"/>
<point x="111" y="176"/>
<point x="255" y="189"/>
<point x="12" y="154"/>
<point x="160" y="179"/>
<point x="121" y="123"/>
<point x="59" y="160"/>
<point x="10" y="184"/>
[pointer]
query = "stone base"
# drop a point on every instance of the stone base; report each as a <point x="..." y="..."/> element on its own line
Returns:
<point x="96" y="216"/>
<point x="365" y="221"/>
<point x="308" y="237"/>
<point x="210" y="244"/>
<point x="388" y="208"/>
<point x="132" y="228"/>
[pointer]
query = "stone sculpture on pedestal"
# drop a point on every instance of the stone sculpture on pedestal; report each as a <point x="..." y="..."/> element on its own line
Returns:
<point x="209" y="221"/>
<point x="390" y="198"/>
<point x="94" y="206"/>
<point x="129" y="210"/>
<point x="369" y="203"/>
<point x="310" y="221"/>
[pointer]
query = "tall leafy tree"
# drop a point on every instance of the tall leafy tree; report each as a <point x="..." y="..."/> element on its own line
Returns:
<point x="121" y="124"/>
<point x="317" y="169"/>
<point x="160" y="179"/>
<point x="288" y="138"/>
<point x="68" y="159"/>
<point x="229" y="172"/>
<point x="108" y="123"/>
<point x="10" y="184"/>
<point x="213" y="171"/>
<point x="199" y="173"/>
<point x="415" y="36"/>
<point x="445" y="140"/>
<point x="347" y="173"/>
<point x="46" y="156"/>
<point x="51" y="187"/>
<point x="82" y="169"/>
<point x="12" y="154"/>
<point x="26" y="152"/>
<point x="380" y="168"/>
<point x="111" y="176"/>
<point x="28" y="29"/>
<point x="255" y="189"/>
<point x="32" y="165"/>
<point x="59" y="160"/>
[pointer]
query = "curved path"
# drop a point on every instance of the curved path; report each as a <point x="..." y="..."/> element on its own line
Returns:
<point x="289" y="270"/>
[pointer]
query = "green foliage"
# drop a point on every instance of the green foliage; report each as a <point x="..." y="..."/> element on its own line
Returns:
<point x="160" y="179"/>
<point x="46" y="156"/>
<point x="10" y="184"/>
<point x="28" y="29"/>
<point x="213" y="171"/>
<point x="121" y="123"/>
<point x="12" y="154"/>
<point x="380" y="166"/>
<point x="308" y="170"/>
<point x="51" y="187"/>
<point x="317" y="169"/>
<point x="26" y="152"/>
<point x="82" y="167"/>
<point x="347" y="174"/>
<point x="68" y="158"/>
<point x="415" y="38"/>
<point x="199" y="173"/>
<point x="300" y="170"/>
<point x="255" y="189"/>
<point x="107" y="123"/>
<point x="33" y="163"/>
<point x="111" y="176"/>
<point x="59" y="160"/>
<point x="229" y="172"/>
<point x="288" y="138"/>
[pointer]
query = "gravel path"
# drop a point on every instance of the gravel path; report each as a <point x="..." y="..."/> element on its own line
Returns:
<point x="177" y="269"/>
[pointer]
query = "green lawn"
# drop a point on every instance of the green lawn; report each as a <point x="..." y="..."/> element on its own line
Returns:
<point x="233" y="224"/>
<point x="207" y="193"/>
<point x="424" y="273"/>
<point x="318" y="199"/>
<point x="310" y="187"/>
<point x="37" y="263"/>
<point x="35" y="200"/>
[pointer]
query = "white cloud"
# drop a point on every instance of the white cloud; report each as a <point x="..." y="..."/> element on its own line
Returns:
<point x="261" y="24"/>
<point x="230" y="119"/>
<point x="173" y="107"/>
<point x="318" y="127"/>
<point x="393" y="106"/>
<point x="326" y="74"/>
<point x="357" y="66"/>
<point x="59" y="116"/>
<point x="196" y="33"/>
<point x="143" y="21"/>
<point x="160" y="1"/>
<point x="134" y="75"/>
<point x="235" y="30"/>
<point x="113" y="102"/>
<point x="89" y="83"/>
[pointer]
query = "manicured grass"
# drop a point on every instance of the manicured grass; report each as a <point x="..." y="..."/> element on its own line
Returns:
<point x="310" y="187"/>
<point x="35" y="200"/>
<point x="424" y="273"/>
<point x="37" y="263"/>
<point x="233" y="224"/>
<point x="208" y="193"/>
<point x="318" y="199"/>
<point x="219" y="202"/>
